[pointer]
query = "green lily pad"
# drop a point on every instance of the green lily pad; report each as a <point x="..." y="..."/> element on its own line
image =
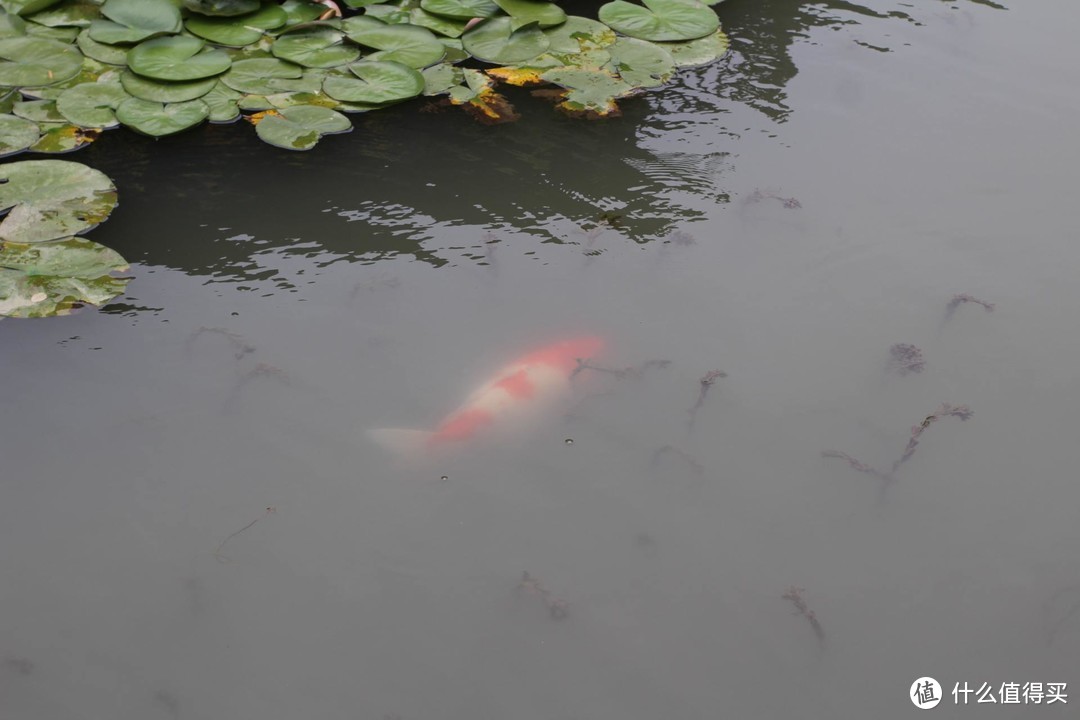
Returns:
<point x="164" y="91"/>
<point x="237" y="31"/>
<point x="640" y="62"/>
<point x="590" y="91"/>
<point x="90" y="71"/>
<point x="222" y="102"/>
<point x="156" y="119"/>
<point x="376" y="83"/>
<point x="527" y="12"/>
<point x="265" y="76"/>
<point x="407" y="44"/>
<point x="698" y="52"/>
<point x="47" y="279"/>
<point x="495" y="41"/>
<point x="389" y="14"/>
<point x="16" y="134"/>
<point x="579" y="34"/>
<point x="12" y="26"/>
<point x="315" y="47"/>
<point x="92" y="105"/>
<point x="438" y="79"/>
<point x="63" y="138"/>
<point x="109" y="54"/>
<point x="301" y="11"/>
<point x="72" y="13"/>
<point x="661" y="20"/>
<point x="461" y="9"/>
<point x="38" y="111"/>
<point x="442" y="25"/>
<point x="152" y="16"/>
<point x="26" y="7"/>
<point x="50" y="199"/>
<point x="177" y="58"/>
<point x="28" y="61"/>
<point x="300" y="127"/>
<point x="222" y="8"/>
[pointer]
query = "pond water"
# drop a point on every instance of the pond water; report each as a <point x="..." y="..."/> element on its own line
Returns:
<point x="196" y="525"/>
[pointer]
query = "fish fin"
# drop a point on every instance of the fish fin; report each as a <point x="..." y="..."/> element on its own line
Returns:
<point x="400" y="440"/>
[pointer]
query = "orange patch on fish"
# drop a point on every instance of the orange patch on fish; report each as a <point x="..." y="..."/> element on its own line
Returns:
<point x="463" y="425"/>
<point x="517" y="385"/>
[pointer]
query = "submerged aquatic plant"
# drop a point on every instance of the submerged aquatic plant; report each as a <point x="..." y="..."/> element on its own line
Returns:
<point x="217" y="551"/>
<point x="705" y="383"/>
<point x="905" y="359"/>
<point x="76" y="67"/>
<point x="794" y="594"/>
<point x="958" y="300"/>
<point x="558" y="609"/>
<point x="963" y="412"/>
<point x="759" y="195"/>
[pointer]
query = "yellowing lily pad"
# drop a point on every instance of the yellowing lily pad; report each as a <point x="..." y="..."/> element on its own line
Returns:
<point x="50" y="199"/>
<point x="52" y="278"/>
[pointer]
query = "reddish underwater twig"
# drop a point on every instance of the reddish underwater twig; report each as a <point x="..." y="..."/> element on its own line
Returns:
<point x="794" y="594"/>
<point x="659" y="453"/>
<point x="905" y="358"/>
<point x="706" y="382"/>
<point x="758" y="195"/>
<point x="946" y="410"/>
<point x="958" y="300"/>
<point x="217" y="551"/>
<point x="235" y="339"/>
<point x="558" y="609"/>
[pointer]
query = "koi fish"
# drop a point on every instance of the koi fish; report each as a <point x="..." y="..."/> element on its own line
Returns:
<point x="523" y="388"/>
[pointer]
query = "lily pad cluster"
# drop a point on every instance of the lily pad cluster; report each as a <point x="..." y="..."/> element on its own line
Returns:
<point x="70" y="69"/>
<point x="45" y="269"/>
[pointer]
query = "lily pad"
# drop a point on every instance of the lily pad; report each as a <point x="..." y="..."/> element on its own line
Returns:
<point x="132" y="21"/>
<point x="47" y="279"/>
<point x="438" y="79"/>
<point x="461" y="9"/>
<point x="57" y="139"/>
<point x="317" y="47"/>
<point x="50" y="199"/>
<point x="156" y="119"/>
<point x="299" y="127"/>
<point x="661" y="20"/>
<point x="389" y="14"/>
<point x="265" y="76"/>
<point x="73" y="13"/>
<point x="29" y="61"/>
<point x="590" y="92"/>
<point x="496" y="41"/>
<point x="177" y="58"/>
<point x="11" y="26"/>
<point x="221" y="100"/>
<point x="92" y="105"/>
<point x="109" y="54"/>
<point x="222" y="8"/>
<point x="444" y="26"/>
<point x="16" y="134"/>
<point x="527" y="12"/>
<point x="375" y="83"/>
<point x="164" y="91"/>
<point x="38" y="111"/>
<point x="640" y="62"/>
<point x="26" y="7"/>
<point x="409" y="45"/>
<point x="301" y="11"/>
<point x="698" y="52"/>
<point x="579" y="34"/>
<point x="237" y="31"/>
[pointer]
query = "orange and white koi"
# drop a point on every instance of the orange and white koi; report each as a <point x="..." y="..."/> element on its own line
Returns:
<point x="520" y="390"/>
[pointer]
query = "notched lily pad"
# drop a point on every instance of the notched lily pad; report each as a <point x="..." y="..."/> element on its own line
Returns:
<point x="177" y="58"/>
<point x="375" y="83"/>
<point x="299" y="127"/>
<point x="496" y="41"/>
<point x="661" y="20"/>
<point x="222" y="8"/>
<point x="52" y="278"/>
<point x="698" y="52"/>
<point x="461" y="9"/>
<point x="65" y="138"/>
<point x="238" y="31"/>
<point x="413" y="46"/>
<point x="92" y="105"/>
<point x="640" y="62"/>
<point x="31" y="61"/>
<point x="50" y="199"/>
<point x="157" y="119"/>
<point x="589" y="93"/>
<point x="316" y="47"/>
<point x="16" y="134"/>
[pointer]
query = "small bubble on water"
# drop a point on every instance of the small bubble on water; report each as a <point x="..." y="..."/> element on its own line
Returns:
<point x="444" y="477"/>
<point x="569" y="441"/>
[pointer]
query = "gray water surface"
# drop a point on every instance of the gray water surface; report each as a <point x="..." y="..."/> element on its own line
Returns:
<point x="785" y="215"/>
